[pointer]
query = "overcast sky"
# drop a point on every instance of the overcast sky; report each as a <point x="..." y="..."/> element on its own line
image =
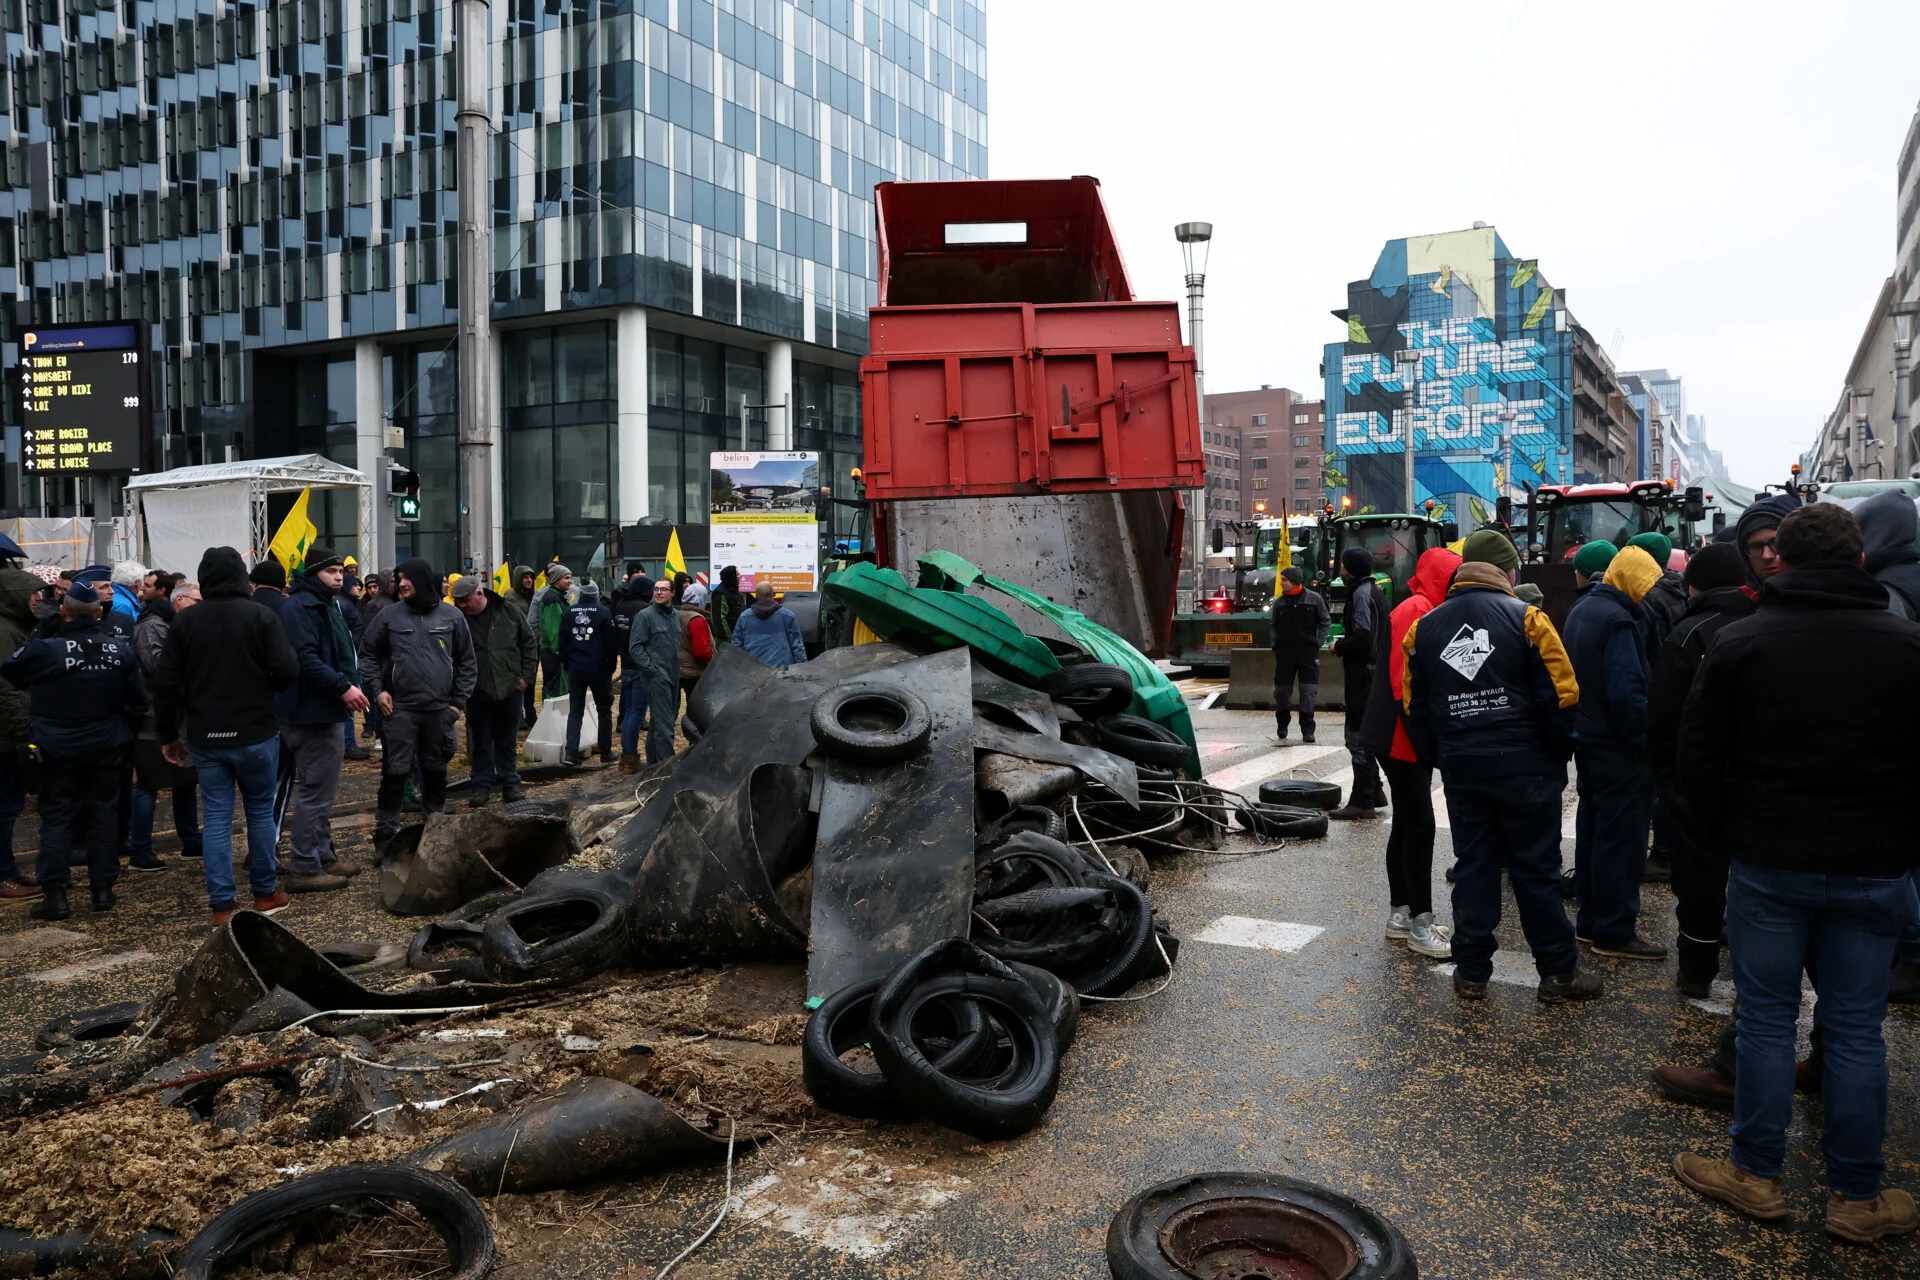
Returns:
<point x="1712" y="181"/>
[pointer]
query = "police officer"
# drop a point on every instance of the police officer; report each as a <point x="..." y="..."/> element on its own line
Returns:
<point x="1299" y="626"/>
<point x="87" y="698"/>
<point x="1490" y="695"/>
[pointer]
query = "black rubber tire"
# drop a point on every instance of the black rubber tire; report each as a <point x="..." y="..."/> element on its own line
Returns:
<point x="452" y="1210"/>
<point x="844" y="1020"/>
<point x="1026" y="817"/>
<point x="1068" y="653"/>
<point x="598" y="944"/>
<point x="1131" y="951"/>
<point x="103" y="1023"/>
<point x="1304" y="794"/>
<point x="1062" y="1000"/>
<point x="1018" y="1098"/>
<point x="689" y="730"/>
<point x="1283" y="821"/>
<point x="1054" y="862"/>
<point x="1134" y="1250"/>
<point x="871" y="746"/>
<point x="1139" y="739"/>
<point x="1092" y="689"/>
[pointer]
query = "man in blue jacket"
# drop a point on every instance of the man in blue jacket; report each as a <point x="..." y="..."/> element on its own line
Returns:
<point x="323" y="697"/>
<point x="87" y="697"/>
<point x="1604" y="637"/>
<point x="588" y="651"/>
<point x="1490" y="695"/>
<point x="769" y="631"/>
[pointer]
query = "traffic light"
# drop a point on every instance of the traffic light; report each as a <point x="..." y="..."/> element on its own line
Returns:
<point x="403" y="485"/>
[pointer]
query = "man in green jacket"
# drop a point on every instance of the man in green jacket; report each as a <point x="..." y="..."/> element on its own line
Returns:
<point x="521" y="601"/>
<point x="504" y="648"/>
<point x="544" y="616"/>
<point x="17" y="591"/>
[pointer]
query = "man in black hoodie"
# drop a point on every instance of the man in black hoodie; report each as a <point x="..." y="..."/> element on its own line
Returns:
<point x="1754" y="535"/>
<point x="214" y="687"/>
<point x="1819" y="834"/>
<point x="1354" y="648"/>
<point x="269" y="579"/>
<point x="635" y="594"/>
<point x="1888" y="522"/>
<point x="1298" y="626"/>
<point x="325" y="697"/>
<point x="417" y="664"/>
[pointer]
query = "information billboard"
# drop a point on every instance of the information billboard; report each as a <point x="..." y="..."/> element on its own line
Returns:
<point x="762" y="518"/>
<point x="83" y="398"/>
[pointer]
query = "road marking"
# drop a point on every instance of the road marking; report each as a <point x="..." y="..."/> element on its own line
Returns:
<point x="1259" y="935"/>
<point x="1515" y="968"/>
<point x="1206" y="703"/>
<point x="1720" y="1003"/>
<point x="37" y="940"/>
<point x="87" y="968"/>
<point x="1257" y="770"/>
<point x="846" y="1201"/>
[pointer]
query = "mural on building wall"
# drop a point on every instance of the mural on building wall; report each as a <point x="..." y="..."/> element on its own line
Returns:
<point x="1458" y="342"/>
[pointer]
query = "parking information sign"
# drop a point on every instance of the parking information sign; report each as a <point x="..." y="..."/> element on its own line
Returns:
<point x="762" y="518"/>
<point x="83" y="398"/>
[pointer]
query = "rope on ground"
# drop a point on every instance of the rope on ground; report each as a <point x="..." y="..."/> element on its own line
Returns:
<point x="1161" y="946"/>
<point x="726" y="1202"/>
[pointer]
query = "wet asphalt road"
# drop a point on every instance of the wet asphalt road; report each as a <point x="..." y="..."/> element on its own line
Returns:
<point x="1507" y="1139"/>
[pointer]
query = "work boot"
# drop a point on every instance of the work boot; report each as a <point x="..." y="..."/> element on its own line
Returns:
<point x="1634" y="948"/>
<point x="512" y="793"/>
<point x="1891" y="1213"/>
<point x="1350" y="813"/>
<point x="383" y="835"/>
<point x="358" y="752"/>
<point x="1695" y="1086"/>
<point x="340" y="867"/>
<point x="102" y="897"/>
<point x="1466" y="990"/>
<point x="1720" y="1180"/>
<point x="1306" y="733"/>
<point x="53" y="906"/>
<point x="629" y="765"/>
<point x="1571" y="986"/>
<point x="310" y="882"/>
<point x="273" y="904"/>
<point x="223" y="914"/>
<point x="18" y="890"/>
<point x="477" y="797"/>
<point x="1281" y="727"/>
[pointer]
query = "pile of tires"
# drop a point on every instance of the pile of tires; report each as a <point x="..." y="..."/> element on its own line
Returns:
<point x="1040" y="902"/>
<point x="956" y="1036"/>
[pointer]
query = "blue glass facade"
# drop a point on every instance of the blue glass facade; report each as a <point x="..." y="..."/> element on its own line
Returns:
<point x="271" y="183"/>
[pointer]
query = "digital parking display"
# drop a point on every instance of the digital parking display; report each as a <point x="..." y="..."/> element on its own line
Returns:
<point x="83" y="398"/>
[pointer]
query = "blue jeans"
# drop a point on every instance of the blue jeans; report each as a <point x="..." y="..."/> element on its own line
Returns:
<point x="1848" y="925"/>
<point x="633" y="711"/>
<point x="1503" y="821"/>
<point x="186" y="823"/>
<point x="13" y="803"/>
<point x="1610" y="841"/>
<point x="256" y="771"/>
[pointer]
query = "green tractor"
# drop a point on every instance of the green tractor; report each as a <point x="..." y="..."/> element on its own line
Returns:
<point x="1397" y="542"/>
<point x="1205" y="639"/>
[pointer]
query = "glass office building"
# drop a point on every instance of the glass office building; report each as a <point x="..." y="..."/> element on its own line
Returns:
<point x="680" y="194"/>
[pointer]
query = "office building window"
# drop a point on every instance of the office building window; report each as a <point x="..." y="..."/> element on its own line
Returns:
<point x="1302" y="482"/>
<point x="1260" y="483"/>
<point x="1301" y="419"/>
<point x="1259" y="419"/>
<point x="1302" y="442"/>
<point x="1259" y="464"/>
<point x="1259" y="442"/>
<point x="1301" y="462"/>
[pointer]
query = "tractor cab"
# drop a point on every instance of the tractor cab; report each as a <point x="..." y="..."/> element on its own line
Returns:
<point x="1563" y="518"/>
<point x="1397" y="542"/>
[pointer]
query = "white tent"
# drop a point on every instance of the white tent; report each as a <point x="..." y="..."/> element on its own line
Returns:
<point x="189" y="509"/>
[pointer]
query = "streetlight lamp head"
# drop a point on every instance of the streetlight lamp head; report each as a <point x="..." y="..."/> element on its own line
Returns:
<point x="1194" y="238"/>
<point x="1193" y="232"/>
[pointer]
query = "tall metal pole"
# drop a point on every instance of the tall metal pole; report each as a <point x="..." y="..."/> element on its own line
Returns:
<point x="1194" y="238"/>
<point x="1903" y="318"/>
<point x="472" y="46"/>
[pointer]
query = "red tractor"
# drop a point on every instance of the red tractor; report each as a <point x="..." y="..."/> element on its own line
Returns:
<point x="1563" y="518"/>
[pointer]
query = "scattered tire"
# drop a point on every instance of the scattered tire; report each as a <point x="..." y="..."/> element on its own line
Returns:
<point x="104" y="1023"/>
<point x="1139" y="739"/>
<point x="1304" y="794"/>
<point x="452" y="1211"/>
<point x="1092" y="689"/>
<point x="1015" y="1092"/>
<point x="1066" y="651"/>
<point x="843" y="1022"/>
<point x="1026" y="860"/>
<point x="1130" y="954"/>
<point x="1063" y="1002"/>
<point x="1249" y="1224"/>
<point x="871" y="723"/>
<point x="570" y="935"/>
<point x="1026" y="817"/>
<point x="1283" y="821"/>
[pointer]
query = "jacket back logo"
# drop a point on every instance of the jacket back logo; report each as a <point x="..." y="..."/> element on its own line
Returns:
<point x="1468" y="651"/>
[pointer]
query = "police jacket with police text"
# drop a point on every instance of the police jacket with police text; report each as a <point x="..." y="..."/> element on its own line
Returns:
<point x="85" y="689"/>
<point x="1488" y="683"/>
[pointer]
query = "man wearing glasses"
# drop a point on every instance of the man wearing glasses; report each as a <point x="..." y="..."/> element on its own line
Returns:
<point x="1755" y="534"/>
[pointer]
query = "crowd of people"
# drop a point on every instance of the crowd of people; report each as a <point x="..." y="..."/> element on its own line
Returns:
<point x="1676" y="688"/>
<point x="244" y="688"/>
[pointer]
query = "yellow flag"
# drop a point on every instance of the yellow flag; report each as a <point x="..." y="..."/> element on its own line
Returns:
<point x="676" y="561"/>
<point x="502" y="579"/>
<point x="540" y="582"/>
<point x="1283" y="554"/>
<point x="297" y="533"/>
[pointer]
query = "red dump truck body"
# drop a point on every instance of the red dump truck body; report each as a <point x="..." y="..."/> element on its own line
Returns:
<point x="1008" y="355"/>
<point x="1021" y="408"/>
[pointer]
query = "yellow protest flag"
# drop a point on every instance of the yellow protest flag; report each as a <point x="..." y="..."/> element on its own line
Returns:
<point x="502" y="579"/>
<point x="539" y="582"/>
<point x="296" y="534"/>
<point x="676" y="561"/>
<point x="1283" y="554"/>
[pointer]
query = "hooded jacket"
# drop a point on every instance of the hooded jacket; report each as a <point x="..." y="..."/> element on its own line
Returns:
<point x="634" y="595"/>
<point x="18" y="589"/>
<point x="586" y="643"/>
<point x="1767" y="513"/>
<point x="322" y="640"/>
<point x="727" y="605"/>
<point x="1488" y="689"/>
<point x="521" y="600"/>
<point x="1828" y="790"/>
<point x="224" y="660"/>
<point x="87" y="694"/>
<point x="149" y="642"/>
<point x="771" y="634"/>
<point x="1384" y="728"/>
<point x="1888" y="522"/>
<point x="419" y="650"/>
<point x="1363" y="614"/>
<point x="1676" y="664"/>
<point x="545" y="614"/>
<point x="503" y="648"/>
<point x="1604" y="641"/>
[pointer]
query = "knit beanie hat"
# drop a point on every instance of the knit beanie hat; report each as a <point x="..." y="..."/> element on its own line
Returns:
<point x="1591" y="561"/>
<point x="1357" y="561"/>
<point x="1489" y="546"/>
<point x="1719" y="564"/>
<point x="1657" y="545"/>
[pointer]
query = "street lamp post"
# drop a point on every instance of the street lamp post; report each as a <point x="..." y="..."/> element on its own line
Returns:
<point x="1406" y="360"/>
<point x="1903" y="315"/>
<point x="1195" y="239"/>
